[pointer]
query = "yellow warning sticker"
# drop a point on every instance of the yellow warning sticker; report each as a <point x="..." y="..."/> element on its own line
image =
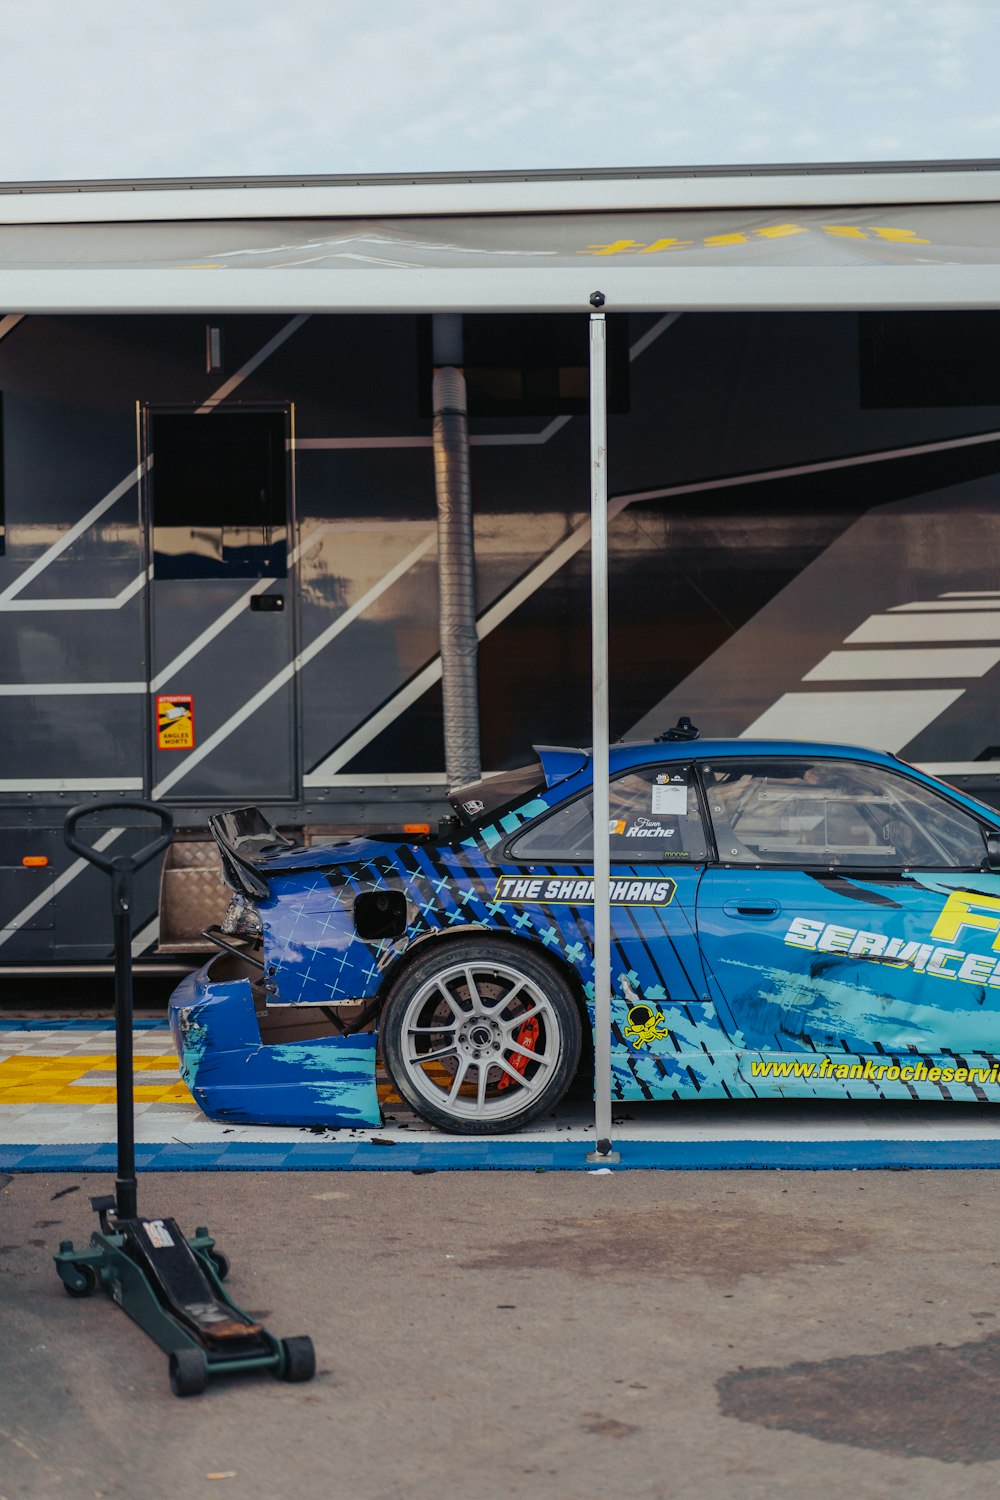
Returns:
<point x="174" y="721"/>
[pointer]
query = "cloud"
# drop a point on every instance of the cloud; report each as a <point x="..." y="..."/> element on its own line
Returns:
<point x="105" y="88"/>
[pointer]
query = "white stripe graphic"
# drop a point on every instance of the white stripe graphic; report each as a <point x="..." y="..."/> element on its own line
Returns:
<point x="417" y="685"/>
<point x="49" y="605"/>
<point x="71" y="784"/>
<point x="731" y="481"/>
<point x="856" y="460"/>
<point x="399" y="778"/>
<point x="940" y="662"/>
<point x="486" y="440"/>
<point x="234" y="611"/>
<point x="67" y="689"/>
<point x="305" y="444"/>
<point x="147" y="937"/>
<point x="927" y="627"/>
<point x="402" y="778"/>
<point x="76" y="868"/>
<point x="652" y="334"/>
<point x="476" y="440"/>
<point x="885" y="720"/>
<point x="892" y="718"/>
<point x="373" y="726"/>
<point x="494" y="616"/>
<point x="961" y="768"/>
<point x="228" y="386"/>
<point x="209" y="634"/>
<point x="518" y="439"/>
<point x="357" y="609"/>
<point x="286" y="673"/>
<point x="944" y="604"/>
<point x="409" y="694"/>
<point x="70" y="536"/>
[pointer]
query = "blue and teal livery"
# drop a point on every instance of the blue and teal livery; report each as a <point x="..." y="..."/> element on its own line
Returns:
<point x="804" y="920"/>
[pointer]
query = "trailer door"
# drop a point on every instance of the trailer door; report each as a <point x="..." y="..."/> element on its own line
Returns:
<point x="222" y="689"/>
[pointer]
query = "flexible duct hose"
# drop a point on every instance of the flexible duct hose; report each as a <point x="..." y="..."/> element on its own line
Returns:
<point x="457" y="579"/>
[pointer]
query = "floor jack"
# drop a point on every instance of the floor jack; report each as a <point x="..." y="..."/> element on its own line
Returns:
<point x="169" y="1285"/>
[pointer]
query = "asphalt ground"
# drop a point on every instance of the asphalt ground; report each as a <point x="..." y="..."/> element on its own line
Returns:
<point x="662" y="1335"/>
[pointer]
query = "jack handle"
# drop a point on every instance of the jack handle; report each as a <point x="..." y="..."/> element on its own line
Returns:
<point x="119" y="864"/>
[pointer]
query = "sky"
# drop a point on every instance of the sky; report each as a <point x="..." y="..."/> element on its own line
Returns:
<point x="195" y="88"/>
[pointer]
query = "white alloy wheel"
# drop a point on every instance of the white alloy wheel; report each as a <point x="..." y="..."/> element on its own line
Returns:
<point x="479" y="1037"/>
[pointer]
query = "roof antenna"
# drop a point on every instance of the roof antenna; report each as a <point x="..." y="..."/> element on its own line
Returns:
<point x="682" y="730"/>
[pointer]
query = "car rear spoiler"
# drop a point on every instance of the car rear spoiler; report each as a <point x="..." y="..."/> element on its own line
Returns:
<point x="246" y="839"/>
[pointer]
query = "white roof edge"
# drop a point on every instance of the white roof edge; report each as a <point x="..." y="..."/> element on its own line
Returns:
<point x="538" y="289"/>
<point x="504" y="194"/>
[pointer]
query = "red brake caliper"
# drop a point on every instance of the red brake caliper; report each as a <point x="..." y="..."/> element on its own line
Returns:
<point x="526" y="1037"/>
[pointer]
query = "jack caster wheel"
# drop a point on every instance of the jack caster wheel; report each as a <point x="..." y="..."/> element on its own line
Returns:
<point x="300" y="1358"/>
<point x="221" y="1263"/>
<point x="188" y="1373"/>
<point x="89" y="1282"/>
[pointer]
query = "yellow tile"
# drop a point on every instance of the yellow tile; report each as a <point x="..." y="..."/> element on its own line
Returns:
<point x="177" y="1093"/>
<point x="79" y="1096"/>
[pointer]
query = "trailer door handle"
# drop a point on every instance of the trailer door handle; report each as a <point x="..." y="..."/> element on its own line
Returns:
<point x="267" y="603"/>
<point x="759" y="909"/>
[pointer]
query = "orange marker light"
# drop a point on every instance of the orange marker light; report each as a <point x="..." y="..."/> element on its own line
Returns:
<point x="35" y="861"/>
<point x="416" y="828"/>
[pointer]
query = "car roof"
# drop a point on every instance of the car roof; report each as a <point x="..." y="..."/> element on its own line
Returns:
<point x="649" y="752"/>
<point x="641" y="752"/>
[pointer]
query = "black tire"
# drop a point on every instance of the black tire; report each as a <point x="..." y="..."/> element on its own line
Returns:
<point x="188" y="1372"/>
<point x="220" y="1260"/>
<point x="436" y="1033"/>
<point x="90" y="1282"/>
<point x="299" y="1361"/>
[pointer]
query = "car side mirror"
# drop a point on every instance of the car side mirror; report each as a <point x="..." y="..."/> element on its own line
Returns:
<point x="993" y="851"/>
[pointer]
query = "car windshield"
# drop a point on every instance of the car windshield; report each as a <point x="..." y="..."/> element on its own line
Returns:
<point x="480" y="798"/>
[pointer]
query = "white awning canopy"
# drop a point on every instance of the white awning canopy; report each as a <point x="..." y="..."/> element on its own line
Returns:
<point x="805" y="240"/>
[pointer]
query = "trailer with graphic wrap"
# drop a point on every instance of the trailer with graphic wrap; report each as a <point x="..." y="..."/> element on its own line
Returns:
<point x="232" y="565"/>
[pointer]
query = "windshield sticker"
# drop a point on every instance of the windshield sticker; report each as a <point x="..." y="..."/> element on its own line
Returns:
<point x="474" y="808"/>
<point x="579" y="890"/>
<point x="670" y="800"/>
<point x="648" y="828"/>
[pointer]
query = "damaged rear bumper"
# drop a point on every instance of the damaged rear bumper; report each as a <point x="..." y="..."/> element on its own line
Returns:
<point x="236" y="1075"/>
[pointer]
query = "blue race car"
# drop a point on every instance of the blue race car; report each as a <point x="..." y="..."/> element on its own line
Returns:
<point x="804" y="920"/>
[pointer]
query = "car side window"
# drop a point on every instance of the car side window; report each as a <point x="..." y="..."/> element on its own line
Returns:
<point x="654" y="818"/>
<point x="825" y="812"/>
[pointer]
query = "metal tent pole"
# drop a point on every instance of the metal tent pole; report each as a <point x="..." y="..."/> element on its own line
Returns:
<point x="599" y="639"/>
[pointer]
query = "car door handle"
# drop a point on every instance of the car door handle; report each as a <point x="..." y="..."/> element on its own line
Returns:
<point x="751" y="908"/>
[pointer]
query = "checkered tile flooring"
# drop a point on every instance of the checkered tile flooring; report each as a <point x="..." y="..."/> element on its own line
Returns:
<point x="57" y="1112"/>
